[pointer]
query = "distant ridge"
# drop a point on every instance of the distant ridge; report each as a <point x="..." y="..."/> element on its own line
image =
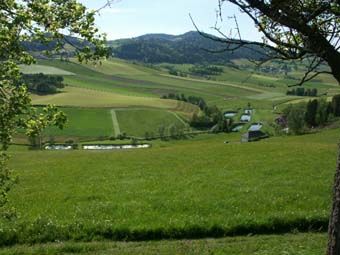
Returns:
<point x="188" y="48"/>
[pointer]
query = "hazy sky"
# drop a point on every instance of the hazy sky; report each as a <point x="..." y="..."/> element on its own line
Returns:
<point x="131" y="18"/>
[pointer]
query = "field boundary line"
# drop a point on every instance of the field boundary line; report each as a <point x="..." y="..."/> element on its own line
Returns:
<point x="179" y="118"/>
<point x="115" y="123"/>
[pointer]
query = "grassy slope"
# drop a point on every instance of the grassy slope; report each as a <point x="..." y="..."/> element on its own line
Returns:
<point x="144" y="81"/>
<point x="73" y="96"/>
<point x="85" y="122"/>
<point x="50" y="70"/>
<point x="118" y="83"/>
<point x="282" y="179"/>
<point x="138" y="121"/>
<point x="302" y="244"/>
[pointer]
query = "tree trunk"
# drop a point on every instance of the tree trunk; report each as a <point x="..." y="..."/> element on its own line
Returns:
<point x="333" y="60"/>
<point x="334" y="221"/>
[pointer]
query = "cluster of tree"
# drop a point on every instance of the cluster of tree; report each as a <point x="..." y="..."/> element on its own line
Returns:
<point x="43" y="84"/>
<point x="174" y="71"/>
<point x="199" y="101"/>
<point x="68" y="48"/>
<point x="303" y="92"/>
<point x="336" y="105"/>
<point x="170" y="132"/>
<point x="204" y="70"/>
<point x="277" y="68"/>
<point x="211" y="118"/>
<point x="313" y="114"/>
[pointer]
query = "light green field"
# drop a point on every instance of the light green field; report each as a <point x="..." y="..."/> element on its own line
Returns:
<point x="289" y="244"/>
<point x="131" y="79"/>
<point x="48" y="70"/>
<point x="175" y="188"/>
<point x="80" y="97"/>
<point x="84" y="122"/>
<point x="119" y="84"/>
<point x="139" y="121"/>
<point x="118" y="67"/>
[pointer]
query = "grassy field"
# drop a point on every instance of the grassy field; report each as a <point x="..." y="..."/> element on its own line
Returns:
<point x="289" y="244"/>
<point x="196" y="188"/>
<point x="105" y="122"/>
<point x="85" y="122"/>
<point x="139" y="121"/>
<point x="205" y="188"/>
<point x="48" y="70"/>
<point x="73" y="96"/>
<point x="118" y="83"/>
<point x="130" y="79"/>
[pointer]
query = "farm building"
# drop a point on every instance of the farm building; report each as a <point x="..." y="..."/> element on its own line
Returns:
<point x="248" y="111"/>
<point x="245" y="118"/>
<point x="254" y="133"/>
<point x="255" y="127"/>
<point x="230" y="114"/>
<point x="252" y="136"/>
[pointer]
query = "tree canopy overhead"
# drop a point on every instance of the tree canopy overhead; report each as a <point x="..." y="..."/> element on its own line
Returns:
<point x="296" y="29"/>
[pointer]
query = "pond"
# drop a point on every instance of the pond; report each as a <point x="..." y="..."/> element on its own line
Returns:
<point x="115" y="147"/>
<point x="59" y="147"/>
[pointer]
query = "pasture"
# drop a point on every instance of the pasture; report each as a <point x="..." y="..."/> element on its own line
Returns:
<point x="139" y="121"/>
<point x="195" y="188"/>
<point x="80" y="97"/>
<point x="185" y="189"/>
<point x="84" y="122"/>
<point x="48" y="70"/>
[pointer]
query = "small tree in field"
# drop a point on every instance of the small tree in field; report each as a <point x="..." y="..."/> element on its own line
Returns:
<point x="311" y="111"/>
<point x="296" y="118"/>
<point x="336" y="105"/>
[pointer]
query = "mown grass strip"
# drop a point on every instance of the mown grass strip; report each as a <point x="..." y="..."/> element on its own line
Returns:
<point x="179" y="118"/>
<point x="115" y="122"/>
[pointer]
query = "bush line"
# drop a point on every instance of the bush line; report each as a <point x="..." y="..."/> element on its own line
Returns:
<point x="44" y="231"/>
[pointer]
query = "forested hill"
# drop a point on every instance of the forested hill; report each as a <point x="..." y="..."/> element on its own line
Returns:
<point x="190" y="48"/>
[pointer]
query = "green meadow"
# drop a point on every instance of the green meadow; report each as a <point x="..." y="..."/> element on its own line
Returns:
<point x="200" y="187"/>
<point x="84" y="122"/>
<point x="139" y="121"/>
<point x="184" y="196"/>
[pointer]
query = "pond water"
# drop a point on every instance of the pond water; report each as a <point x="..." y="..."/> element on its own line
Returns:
<point x="59" y="147"/>
<point x="115" y="147"/>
